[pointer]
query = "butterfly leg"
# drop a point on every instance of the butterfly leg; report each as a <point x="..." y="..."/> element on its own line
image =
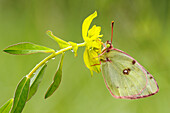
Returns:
<point x="96" y="64"/>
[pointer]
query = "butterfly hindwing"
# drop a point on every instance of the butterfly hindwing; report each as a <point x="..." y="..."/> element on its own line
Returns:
<point x="125" y="77"/>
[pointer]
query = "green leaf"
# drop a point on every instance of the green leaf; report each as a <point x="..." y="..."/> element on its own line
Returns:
<point x="62" y="44"/>
<point x="26" y="48"/>
<point x="21" y="95"/>
<point x="36" y="80"/>
<point x="57" y="79"/>
<point x="6" y="107"/>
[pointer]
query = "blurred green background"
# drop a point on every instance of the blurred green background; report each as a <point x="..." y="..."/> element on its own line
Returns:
<point x="142" y="29"/>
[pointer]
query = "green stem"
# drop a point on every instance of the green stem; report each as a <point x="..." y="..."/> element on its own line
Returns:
<point x="52" y="56"/>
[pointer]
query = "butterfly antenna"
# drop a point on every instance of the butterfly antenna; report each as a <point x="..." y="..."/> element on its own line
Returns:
<point x="112" y="31"/>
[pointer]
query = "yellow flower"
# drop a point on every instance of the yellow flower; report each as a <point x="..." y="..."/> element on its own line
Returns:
<point x="93" y="44"/>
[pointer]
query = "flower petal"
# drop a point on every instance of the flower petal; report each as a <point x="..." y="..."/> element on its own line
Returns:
<point x="86" y="25"/>
<point x="94" y="45"/>
<point x="94" y="32"/>
<point x="86" y="58"/>
<point x="91" y="60"/>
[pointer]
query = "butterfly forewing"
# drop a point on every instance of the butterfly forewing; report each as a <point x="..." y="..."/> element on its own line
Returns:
<point x="125" y="77"/>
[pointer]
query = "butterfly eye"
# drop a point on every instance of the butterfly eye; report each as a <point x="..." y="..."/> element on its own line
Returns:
<point x="108" y="45"/>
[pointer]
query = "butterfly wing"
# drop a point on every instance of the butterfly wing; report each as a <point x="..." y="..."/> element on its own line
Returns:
<point x="125" y="77"/>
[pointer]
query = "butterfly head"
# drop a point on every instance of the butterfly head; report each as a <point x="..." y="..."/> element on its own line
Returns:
<point x="109" y="45"/>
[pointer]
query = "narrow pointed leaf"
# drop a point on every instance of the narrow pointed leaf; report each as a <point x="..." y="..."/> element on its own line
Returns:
<point x="57" y="79"/>
<point x="26" y="48"/>
<point x="62" y="44"/>
<point x="21" y="95"/>
<point x="6" y="107"/>
<point x="36" y="80"/>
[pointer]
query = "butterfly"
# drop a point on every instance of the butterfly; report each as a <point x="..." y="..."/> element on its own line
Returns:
<point x="124" y="77"/>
